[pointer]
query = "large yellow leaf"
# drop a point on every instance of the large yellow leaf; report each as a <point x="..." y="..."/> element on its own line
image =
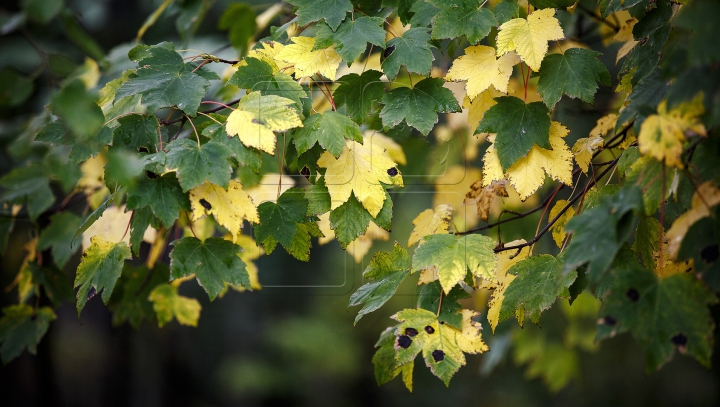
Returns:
<point x="506" y="260"/>
<point x="529" y="38"/>
<point x="528" y="173"/>
<point x="258" y="116"/>
<point x="308" y="62"/>
<point x="359" y="170"/>
<point x="268" y="53"/>
<point x="480" y="67"/>
<point x="661" y="135"/>
<point x="706" y="196"/>
<point x="431" y="222"/>
<point x="251" y="251"/>
<point x="228" y="207"/>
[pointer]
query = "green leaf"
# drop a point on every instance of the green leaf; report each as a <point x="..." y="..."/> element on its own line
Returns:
<point x="386" y="368"/>
<point x="139" y="222"/>
<point x="573" y="73"/>
<point x="197" y="164"/>
<point x="540" y="280"/>
<point x="55" y="284"/>
<point x="402" y="8"/>
<point x="168" y="304"/>
<point x="239" y="20"/>
<point x="662" y="314"/>
<point x="647" y="236"/>
<point x="387" y="270"/>
<point x="351" y="220"/>
<point x="16" y="89"/>
<point x="163" y="195"/>
<point x="431" y="297"/>
<point x="22" y="328"/>
<point x="698" y="16"/>
<point x="646" y="173"/>
<point x="214" y="262"/>
<point x="30" y="186"/>
<point x="468" y="19"/>
<point x="329" y="130"/>
<point x="700" y="243"/>
<point x="411" y="50"/>
<point x="59" y="235"/>
<point x="78" y="109"/>
<point x="138" y="131"/>
<point x="333" y="11"/>
<point x="352" y="37"/>
<point x="129" y="301"/>
<point x="99" y="269"/>
<point x="558" y="4"/>
<point x="506" y="10"/>
<point x="418" y="106"/>
<point x="94" y="216"/>
<point x="359" y="93"/>
<point x="423" y="13"/>
<point x="258" y="75"/>
<point x="601" y="231"/>
<point x="644" y="98"/>
<point x="244" y="156"/>
<point x="455" y="255"/>
<point x="519" y="127"/>
<point x="164" y="80"/>
<point x="608" y="7"/>
<point x="318" y="198"/>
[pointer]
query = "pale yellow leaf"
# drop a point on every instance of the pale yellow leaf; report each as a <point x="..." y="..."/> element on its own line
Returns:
<point x="229" y="207"/>
<point x="506" y="260"/>
<point x="359" y="170"/>
<point x="257" y="117"/>
<point x="529" y="38"/>
<point x="308" y="62"/>
<point x="668" y="266"/>
<point x="625" y="33"/>
<point x="706" y="196"/>
<point x="267" y="189"/>
<point x="268" y="53"/>
<point x="392" y="148"/>
<point x="624" y="50"/>
<point x="558" y="228"/>
<point x="428" y="275"/>
<point x="168" y="304"/>
<point x="470" y="339"/>
<point x="584" y="149"/>
<point x="431" y="222"/>
<point x="604" y="125"/>
<point x="478" y="106"/>
<point x="325" y="228"/>
<point x="359" y="247"/>
<point x="482" y="69"/>
<point x="112" y="225"/>
<point x="92" y="180"/>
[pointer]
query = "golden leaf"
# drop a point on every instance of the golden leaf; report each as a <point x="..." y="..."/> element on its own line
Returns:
<point x="482" y="69"/>
<point x="431" y="222"/>
<point x="308" y="62"/>
<point x="506" y="259"/>
<point x="706" y="196"/>
<point x="558" y="228"/>
<point x="529" y="38"/>
<point x="229" y="207"/>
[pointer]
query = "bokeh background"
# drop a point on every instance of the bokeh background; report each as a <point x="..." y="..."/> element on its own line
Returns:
<point x="293" y="342"/>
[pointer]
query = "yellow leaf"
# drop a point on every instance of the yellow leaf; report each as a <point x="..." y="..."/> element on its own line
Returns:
<point x="478" y="106"/>
<point x="505" y="261"/>
<point x="528" y="173"/>
<point x="361" y="170"/>
<point x="112" y="224"/>
<point x="325" y="228"/>
<point x="428" y="275"/>
<point x="92" y="181"/>
<point x="661" y="135"/>
<point x="624" y="50"/>
<point x="228" y="207"/>
<point x="584" y="149"/>
<point x="529" y="38"/>
<point x="558" y="228"/>
<point x="393" y="149"/>
<point x="359" y="247"/>
<point x="706" y="196"/>
<point x="450" y="189"/>
<point x="470" y="339"/>
<point x="168" y="304"/>
<point x="668" y="266"/>
<point x="251" y="251"/>
<point x="268" y="53"/>
<point x="431" y="222"/>
<point x="604" y="125"/>
<point x="483" y="197"/>
<point x="308" y="62"/>
<point x="625" y="33"/>
<point x="267" y="189"/>
<point x="482" y="69"/>
<point x="257" y="117"/>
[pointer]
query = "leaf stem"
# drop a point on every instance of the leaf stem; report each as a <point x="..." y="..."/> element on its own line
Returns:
<point x="196" y="132"/>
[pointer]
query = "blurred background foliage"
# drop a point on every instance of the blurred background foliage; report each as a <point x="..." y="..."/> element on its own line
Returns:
<point x="294" y="342"/>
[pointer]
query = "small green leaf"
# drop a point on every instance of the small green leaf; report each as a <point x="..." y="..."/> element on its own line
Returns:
<point x="333" y="11"/>
<point x="138" y="131"/>
<point x="506" y="10"/>
<point x="163" y="195"/>
<point x="412" y="50"/>
<point x="329" y="130"/>
<point x="431" y="297"/>
<point x="22" y="328"/>
<point x="197" y="164"/>
<point x="168" y="304"/>
<point x="352" y="37"/>
<point x="351" y="220"/>
<point x="239" y="20"/>
<point x="59" y="235"/>
<point x="573" y="73"/>
<point x="99" y="269"/>
<point x="468" y="19"/>
<point x="419" y="106"/>
<point x="258" y="75"/>
<point x="359" y="93"/>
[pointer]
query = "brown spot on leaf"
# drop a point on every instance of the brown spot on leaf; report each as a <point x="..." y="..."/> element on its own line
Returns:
<point x="411" y="332"/>
<point x="403" y="341"/>
<point x="429" y="329"/>
<point x="438" y="355"/>
<point x="205" y="204"/>
<point x="633" y="294"/>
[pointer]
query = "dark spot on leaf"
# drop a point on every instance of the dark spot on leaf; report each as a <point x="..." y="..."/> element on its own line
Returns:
<point x="442" y="322"/>
<point x="429" y="329"/>
<point x="305" y="171"/>
<point x="205" y="204"/>
<point x="150" y="174"/>
<point x="392" y="172"/>
<point x="389" y="50"/>
<point x="710" y="253"/>
<point x="679" y="340"/>
<point x="411" y="332"/>
<point x="633" y="294"/>
<point x="438" y="355"/>
<point x="91" y="293"/>
<point x="644" y="41"/>
<point x="143" y="150"/>
<point x="608" y="320"/>
<point x="403" y="341"/>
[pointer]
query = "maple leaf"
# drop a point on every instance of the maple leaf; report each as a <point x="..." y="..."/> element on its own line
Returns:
<point x="519" y="128"/>
<point x="329" y="130"/>
<point x="169" y="304"/>
<point x="443" y="347"/>
<point x="99" y="269"/>
<point x="251" y="251"/>
<point x="362" y="171"/>
<point x="257" y="74"/>
<point x="528" y="173"/>
<point x="529" y="38"/>
<point x="574" y="73"/>
<point x="257" y="117"/>
<point x="196" y="164"/>
<point x="385" y="365"/>
<point x="705" y="197"/>
<point x="477" y="107"/>
<point x="483" y="197"/>
<point x="386" y="270"/>
<point x="538" y="283"/>
<point x="350" y="221"/>
<point x="308" y="62"/>
<point x="352" y="37"/>
<point x="558" y="228"/>
<point x="454" y="256"/>
<point x="482" y="69"/>
<point x="58" y="236"/>
<point x="661" y="135"/>
<point x="431" y="222"/>
<point x="468" y="18"/>
<point x="22" y="327"/>
<point x="506" y="260"/>
<point x="359" y="92"/>
<point x="267" y="52"/>
<point x="332" y="11"/>
<point x="136" y="131"/>
<point x="584" y="149"/>
<point x="163" y="195"/>
<point x="412" y="50"/>
<point x="418" y="106"/>
<point x="229" y="207"/>
<point x="214" y="262"/>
